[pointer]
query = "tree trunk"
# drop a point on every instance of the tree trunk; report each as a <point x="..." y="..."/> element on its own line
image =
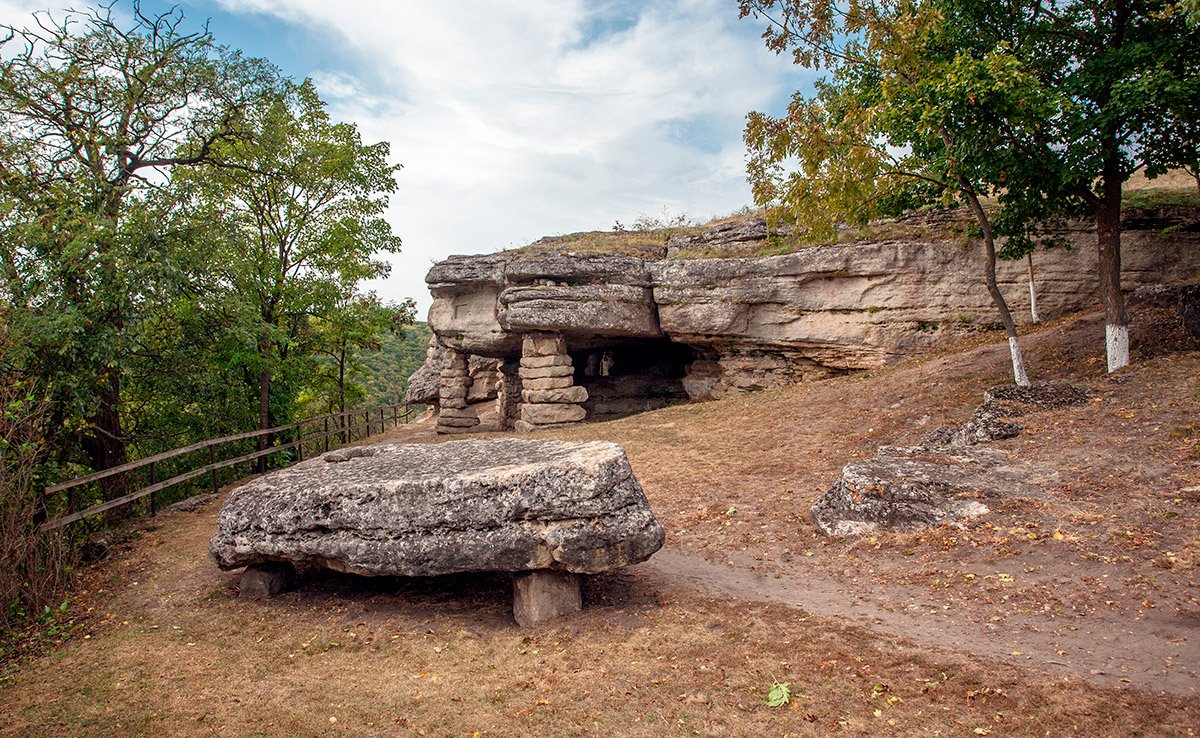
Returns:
<point x="989" y="274"/>
<point x="264" y="403"/>
<point x="105" y="445"/>
<point x="1033" y="311"/>
<point x="1108" y="244"/>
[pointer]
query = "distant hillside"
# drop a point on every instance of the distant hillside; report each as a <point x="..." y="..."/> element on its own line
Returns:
<point x="388" y="370"/>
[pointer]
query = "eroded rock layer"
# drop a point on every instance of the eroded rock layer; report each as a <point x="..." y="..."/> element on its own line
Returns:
<point x="701" y="328"/>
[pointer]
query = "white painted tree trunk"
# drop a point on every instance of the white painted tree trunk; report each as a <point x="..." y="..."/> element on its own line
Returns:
<point x="1116" y="339"/>
<point x="1033" y="311"/>
<point x="1018" y="363"/>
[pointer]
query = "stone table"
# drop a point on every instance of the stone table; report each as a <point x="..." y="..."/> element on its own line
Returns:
<point x="547" y="511"/>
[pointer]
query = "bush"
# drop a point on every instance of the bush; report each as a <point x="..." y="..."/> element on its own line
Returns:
<point x="33" y="565"/>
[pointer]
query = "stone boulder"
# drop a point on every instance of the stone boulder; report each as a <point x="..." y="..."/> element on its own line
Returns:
<point x="424" y="510"/>
<point x="907" y="487"/>
<point x="948" y="478"/>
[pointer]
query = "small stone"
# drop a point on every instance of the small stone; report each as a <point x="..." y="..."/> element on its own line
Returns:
<point x="546" y="371"/>
<point x="538" y="362"/>
<point x="547" y="383"/>
<point x="524" y="426"/>
<point x="452" y="392"/>
<point x="545" y="414"/>
<point x="266" y="579"/>
<point x="458" y="422"/>
<point x="456" y="403"/>
<point x="544" y="595"/>
<point x="458" y="412"/>
<point x="572" y="395"/>
<point x="543" y="344"/>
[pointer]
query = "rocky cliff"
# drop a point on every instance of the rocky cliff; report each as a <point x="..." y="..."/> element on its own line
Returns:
<point x="642" y="326"/>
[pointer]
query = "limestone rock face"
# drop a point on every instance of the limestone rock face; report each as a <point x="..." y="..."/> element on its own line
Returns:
<point x="744" y="322"/>
<point x="422" y="510"/>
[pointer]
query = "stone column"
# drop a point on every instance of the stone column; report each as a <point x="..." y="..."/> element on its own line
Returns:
<point x="508" y="397"/>
<point x="455" y="380"/>
<point x="549" y="395"/>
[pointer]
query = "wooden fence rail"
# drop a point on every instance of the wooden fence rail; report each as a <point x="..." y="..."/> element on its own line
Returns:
<point x="355" y="420"/>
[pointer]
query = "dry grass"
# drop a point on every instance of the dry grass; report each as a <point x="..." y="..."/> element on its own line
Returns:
<point x="171" y="651"/>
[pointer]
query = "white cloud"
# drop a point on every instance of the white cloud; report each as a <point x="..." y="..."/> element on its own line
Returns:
<point x="523" y="118"/>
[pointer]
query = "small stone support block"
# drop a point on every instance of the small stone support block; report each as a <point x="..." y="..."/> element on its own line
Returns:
<point x="543" y="595"/>
<point x="266" y="580"/>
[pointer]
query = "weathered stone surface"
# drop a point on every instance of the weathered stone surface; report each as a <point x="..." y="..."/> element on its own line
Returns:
<point x="543" y="372"/>
<point x="543" y="344"/>
<point x="456" y="429"/>
<point x="946" y="479"/>
<point x="595" y="309"/>
<point x="574" y="394"/>
<point x="547" y="414"/>
<point x="760" y="322"/>
<point x="424" y="384"/>
<point x="422" y="510"/>
<point x="266" y="579"/>
<point x="539" y="596"/>
<point x="746" y="234"/>
<point x="451" y="403"/>
<point x="451" y="421"/>
<point x="453" y="392"/>
<point x="538" y="362"/>
<point x="547" y="383"/>
<point x="917" y="486"/>
<point x="458" y="412"/>
<point x="1007" y="401"/>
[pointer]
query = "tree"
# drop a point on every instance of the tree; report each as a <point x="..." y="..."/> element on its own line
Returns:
<point x="92" y="110"/>
<point x="293" y="217"/>
<point x="901" y="119"/>
<point x="1048" y="106"/>
<point x="1127" y="73"/>
<point x="355" y="325"/>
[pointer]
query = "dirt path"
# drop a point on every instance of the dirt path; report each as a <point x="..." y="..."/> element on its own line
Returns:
<point x="1157" y="652"/>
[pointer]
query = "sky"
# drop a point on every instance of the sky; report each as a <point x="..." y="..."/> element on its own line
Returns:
<point x="516" y="119"/>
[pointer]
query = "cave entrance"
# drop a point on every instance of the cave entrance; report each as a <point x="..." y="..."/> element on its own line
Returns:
<point x="627" y="377"/>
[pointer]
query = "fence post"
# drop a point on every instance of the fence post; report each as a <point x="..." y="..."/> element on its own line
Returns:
<point x="327" y="434"/>
<point x="153" y="480"/>
<point x="300" y="440"/>
<point x="212" y="472"/>
<point x="395" y="418"/>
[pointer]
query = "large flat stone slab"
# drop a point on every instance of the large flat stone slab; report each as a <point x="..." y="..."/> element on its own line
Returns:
<point x="425" y="510"/>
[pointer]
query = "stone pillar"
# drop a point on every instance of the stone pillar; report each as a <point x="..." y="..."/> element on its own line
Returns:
<point x="549" y="395"/>
<point x="455" y="380"/>
<point x="508" y="397"/>
<point x="543" y="595"/>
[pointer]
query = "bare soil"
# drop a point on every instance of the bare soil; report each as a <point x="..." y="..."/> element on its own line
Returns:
<point x="1075" y="614"/>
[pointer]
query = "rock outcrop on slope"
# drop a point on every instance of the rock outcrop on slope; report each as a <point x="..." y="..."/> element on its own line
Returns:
<point x="950" y="478"/>
<point x="643" y="327"/>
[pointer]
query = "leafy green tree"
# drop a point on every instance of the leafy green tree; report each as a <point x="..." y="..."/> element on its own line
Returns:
<point x="93" y="110"/>
<point x="1047" y="106"/>
<point x="357" y="324"/>
<point x="1128" y="75"/>
<point x="292" y="220"/>
<point x="901" y="119"/>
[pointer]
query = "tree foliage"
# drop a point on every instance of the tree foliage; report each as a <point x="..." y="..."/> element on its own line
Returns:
<point x="93" y="110"/>
<point x="180" y="228"/>
<point x="1046" y="107"/>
